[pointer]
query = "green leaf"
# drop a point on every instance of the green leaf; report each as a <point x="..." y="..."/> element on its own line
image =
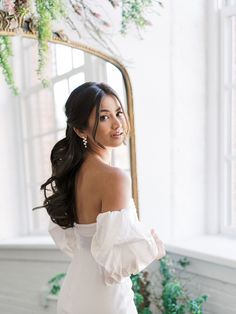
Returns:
<point x="48" y="11"/>
<point x="5" y="54"/>
<point x="183" y="262"/>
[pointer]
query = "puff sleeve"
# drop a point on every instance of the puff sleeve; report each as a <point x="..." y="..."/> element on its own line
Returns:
<point x="64" y="239"/>
<point x="122" y="245"/>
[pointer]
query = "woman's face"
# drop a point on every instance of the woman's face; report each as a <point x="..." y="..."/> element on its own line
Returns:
<point x="112" y="124"/>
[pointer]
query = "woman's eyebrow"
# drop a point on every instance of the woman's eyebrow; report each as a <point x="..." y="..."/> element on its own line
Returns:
<point x="106" y="110"/>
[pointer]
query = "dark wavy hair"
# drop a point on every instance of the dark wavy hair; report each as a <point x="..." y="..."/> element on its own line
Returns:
<point x="67" y="154"/>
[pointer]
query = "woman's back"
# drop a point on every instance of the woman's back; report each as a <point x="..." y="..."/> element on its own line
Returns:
<point x="95" y="185"/>
<point x="88" y="182"/>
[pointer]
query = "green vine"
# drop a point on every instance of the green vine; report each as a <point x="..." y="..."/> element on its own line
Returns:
<point x="48" y="10"/>
<point x="5" y="54"/>
<point x="133" y="12"/>
<point x="174" y="298"/>
<point x="141" y="293"/>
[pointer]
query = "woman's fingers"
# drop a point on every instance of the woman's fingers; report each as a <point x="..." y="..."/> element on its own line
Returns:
<point x="159" y="243"/>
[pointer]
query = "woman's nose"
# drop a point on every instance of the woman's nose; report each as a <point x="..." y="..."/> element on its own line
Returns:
<point x="116" y="123"/>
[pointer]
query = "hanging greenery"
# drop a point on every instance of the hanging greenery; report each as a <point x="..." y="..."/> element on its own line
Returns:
<point x="37" y="17"/>
<point x="5" y="53"/>
<point x="48" y="10"/>
<point x="133" y="12"/>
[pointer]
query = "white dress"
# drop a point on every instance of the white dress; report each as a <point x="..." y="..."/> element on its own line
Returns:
<point x="104" y="254"/>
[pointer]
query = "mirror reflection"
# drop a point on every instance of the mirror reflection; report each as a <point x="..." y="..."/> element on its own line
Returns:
<point x="42" y="112"/>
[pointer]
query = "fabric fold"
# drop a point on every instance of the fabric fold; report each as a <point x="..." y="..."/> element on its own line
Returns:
<point x="122" y="245"/>
<point x="65" y="239"/>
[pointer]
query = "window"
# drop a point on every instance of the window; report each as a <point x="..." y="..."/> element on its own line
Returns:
<point x="228" y="117"/>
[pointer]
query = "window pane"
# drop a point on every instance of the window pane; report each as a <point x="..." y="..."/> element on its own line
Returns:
<point x="30" y="63"/>
<point x="40" y="220"/>
<point x="78" y="58"/>
<point x="63" y="59"/>
<point x="115" y="80"/>
<point x="40" y="109"/>
<point x="60" y="96"/>
<point x="39" y="217"/>
<point x="76" y="80"/>
<point x="61" y="135"/>
<point x="41" y="149"/>
<point x="46" y="111"/>
<point x="32" y="115"/>
<point x="30" y="56"/>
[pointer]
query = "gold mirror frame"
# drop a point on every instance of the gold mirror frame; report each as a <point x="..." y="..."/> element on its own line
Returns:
<point x="129" y="95"/>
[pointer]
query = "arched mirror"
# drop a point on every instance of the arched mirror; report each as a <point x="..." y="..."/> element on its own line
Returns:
<point x="40" y="119"/>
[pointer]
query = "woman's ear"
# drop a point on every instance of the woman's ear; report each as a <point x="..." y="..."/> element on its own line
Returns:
<point x="81" y="134"/>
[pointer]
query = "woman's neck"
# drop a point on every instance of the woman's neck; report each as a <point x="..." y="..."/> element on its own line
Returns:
<point x="104" y="156"/>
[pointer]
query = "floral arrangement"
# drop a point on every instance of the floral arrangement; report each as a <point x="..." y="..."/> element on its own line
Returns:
<point x="38" y="16"/>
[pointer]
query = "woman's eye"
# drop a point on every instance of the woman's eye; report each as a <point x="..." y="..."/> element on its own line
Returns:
<point x="119" y="113"/>
<point x="103" y="118"/>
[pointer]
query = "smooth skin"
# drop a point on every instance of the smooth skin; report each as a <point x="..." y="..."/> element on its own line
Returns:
<point x="100" y="187"/>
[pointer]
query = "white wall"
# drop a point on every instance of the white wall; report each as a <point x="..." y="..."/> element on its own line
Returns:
<point x="168" y="76"/>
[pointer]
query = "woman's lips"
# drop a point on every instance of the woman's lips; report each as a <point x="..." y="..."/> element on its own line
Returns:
<point x="117" y="135"/>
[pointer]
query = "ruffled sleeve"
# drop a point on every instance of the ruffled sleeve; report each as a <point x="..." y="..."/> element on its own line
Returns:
<point x="122" y="245"/>
<point x="64" y="238"/>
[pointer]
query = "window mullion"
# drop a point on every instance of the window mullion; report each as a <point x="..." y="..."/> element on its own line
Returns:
<point x="227" y="87"/>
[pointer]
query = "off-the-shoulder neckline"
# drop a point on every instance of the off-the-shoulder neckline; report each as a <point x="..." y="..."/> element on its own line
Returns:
<point x="99" y="215"/>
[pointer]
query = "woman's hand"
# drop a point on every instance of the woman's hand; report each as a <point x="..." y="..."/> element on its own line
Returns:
<point x="160" y="245"/>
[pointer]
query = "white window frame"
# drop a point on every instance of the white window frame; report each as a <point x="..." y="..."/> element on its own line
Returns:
<point x="225" y="64"/>
<point x="216" y="192"/>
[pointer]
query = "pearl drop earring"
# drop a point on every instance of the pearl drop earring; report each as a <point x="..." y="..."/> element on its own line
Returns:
<point x="85" y="142"/>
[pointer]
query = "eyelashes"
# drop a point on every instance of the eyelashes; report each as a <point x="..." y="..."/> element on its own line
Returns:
<point x="120" y="113"/>
<point x="106" y="117"/>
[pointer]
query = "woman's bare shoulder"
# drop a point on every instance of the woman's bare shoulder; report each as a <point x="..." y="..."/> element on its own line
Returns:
<point x="116" y="173"/>
<point x="110" y="174"/>
<point x="116" y="190"/>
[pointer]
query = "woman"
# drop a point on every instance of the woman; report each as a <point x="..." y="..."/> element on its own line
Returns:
<point x="94" y="217"/>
